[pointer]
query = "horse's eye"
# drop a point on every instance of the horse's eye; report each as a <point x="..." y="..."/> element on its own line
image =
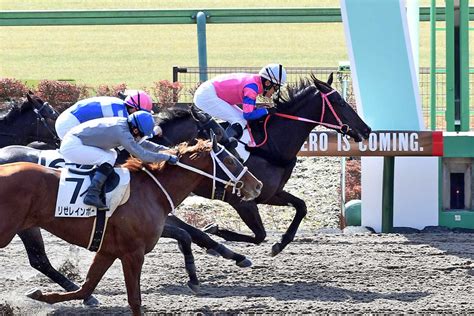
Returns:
<point x="229" y="161"/>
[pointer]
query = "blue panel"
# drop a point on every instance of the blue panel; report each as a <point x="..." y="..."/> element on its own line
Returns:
<point x="381" y="64"/>
<point x="88" y="112"/>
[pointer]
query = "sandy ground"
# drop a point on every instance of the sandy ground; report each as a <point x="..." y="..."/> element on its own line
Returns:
<point x="319" y="272"/>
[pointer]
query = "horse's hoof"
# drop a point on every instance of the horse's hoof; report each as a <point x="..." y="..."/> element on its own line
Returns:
<point x="34" y="294"/>
<point x="212" y="252"/>
<point x="276" y="249"/>
<point x="211" y="228"/>
<point x="194" y="287"/>
<point x="91" y="301"/>
<point x="244" y="263"/>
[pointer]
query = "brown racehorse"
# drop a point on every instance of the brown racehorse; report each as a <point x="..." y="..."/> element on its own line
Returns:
<point x="28" y="195"/>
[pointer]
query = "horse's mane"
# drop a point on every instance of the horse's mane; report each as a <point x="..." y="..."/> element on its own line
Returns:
<point x="293" y="93"/>
<point x="135" y="164"/>
<point x="17" y="109"/>
<point x="167" y="114"/>
<point x="13" y="112"/>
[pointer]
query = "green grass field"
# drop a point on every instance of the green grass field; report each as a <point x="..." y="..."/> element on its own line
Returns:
<point x="139" y="55"/>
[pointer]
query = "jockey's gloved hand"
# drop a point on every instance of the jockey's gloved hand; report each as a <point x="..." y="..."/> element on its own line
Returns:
<point x="172" y="160"/>
<point x="272" y="110"/>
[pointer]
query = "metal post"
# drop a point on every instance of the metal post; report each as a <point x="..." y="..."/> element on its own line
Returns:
<point x="463" y="54"/>
<point x="387" y="194"/>
<point x="453" y="122"/>
<point x="433" y="65"/>
<point x="202" y="49"/>
<point x="343" y="74"/>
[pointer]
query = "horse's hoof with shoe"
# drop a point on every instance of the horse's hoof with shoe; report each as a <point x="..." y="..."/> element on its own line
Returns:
<point x="211" y="229"/>
<point x="276" y="249"/>
<point x="246" y="263"/>
<point x="91" y="301"/>
<point x="34" y="294"/>
<point x="195" y="287"/>
<point x="213" y="252"/>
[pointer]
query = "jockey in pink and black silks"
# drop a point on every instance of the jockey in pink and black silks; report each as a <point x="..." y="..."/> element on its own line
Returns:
<point x="219" y="96"/>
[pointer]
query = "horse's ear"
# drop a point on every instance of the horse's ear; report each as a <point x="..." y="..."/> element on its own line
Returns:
<point x="330" y="78"/>
<point x="198" y="114"/>
<point x="28" y="96"/>
<point x="215" y="148"/>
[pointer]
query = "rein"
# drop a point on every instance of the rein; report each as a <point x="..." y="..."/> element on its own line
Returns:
<point x="233" y="181"/>
<point x="343" y="128"/>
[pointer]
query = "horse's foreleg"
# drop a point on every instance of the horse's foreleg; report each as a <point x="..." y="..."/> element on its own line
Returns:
<point x="132" y="268"/>
<point x="204" y="241"/>
<point x="184" y="241"/>
<point x="99" y="266"/>
<point x="286" y="199"/>
<point x="248" y="212"/>
<point x="34" y="246"/>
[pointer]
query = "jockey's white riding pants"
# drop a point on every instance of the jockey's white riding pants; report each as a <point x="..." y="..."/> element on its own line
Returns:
<point x="65" y="122"/>
<point x="74" y="151"/>
<point x="207" y="100"/>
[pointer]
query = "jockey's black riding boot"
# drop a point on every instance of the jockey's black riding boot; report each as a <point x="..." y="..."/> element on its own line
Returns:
<point x="93" y="193"/>
<point x="232" y="135"/>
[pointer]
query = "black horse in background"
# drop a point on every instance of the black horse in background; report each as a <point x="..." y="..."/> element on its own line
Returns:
<point x="28" y="122"/>
<point x="279" y="140"/>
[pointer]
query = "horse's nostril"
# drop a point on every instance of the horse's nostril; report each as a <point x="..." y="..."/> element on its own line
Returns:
<point x="259" y="186"/>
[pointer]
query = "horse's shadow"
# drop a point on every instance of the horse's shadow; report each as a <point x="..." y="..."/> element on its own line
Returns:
<point x="294" y="291"/>
<point x="66" y="311"/>
<point x="447" y="241"/>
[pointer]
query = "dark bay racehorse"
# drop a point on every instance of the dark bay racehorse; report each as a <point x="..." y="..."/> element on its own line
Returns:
<point x="28" y="196"/>
<point x="31" y="121"/>
<point x="279" y="138"/>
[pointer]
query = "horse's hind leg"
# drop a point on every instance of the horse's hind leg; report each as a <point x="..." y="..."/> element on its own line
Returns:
<point x="204" y="241"/>
<point x="34" y="245"/>
<point x="284" y="198"/>
<point x="99" y="266"/>
<point x="248" y="212"/>
<point x="184" y="241"/>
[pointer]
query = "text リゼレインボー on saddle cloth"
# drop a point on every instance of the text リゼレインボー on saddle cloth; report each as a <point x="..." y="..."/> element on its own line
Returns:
<point x="73" y="185"/>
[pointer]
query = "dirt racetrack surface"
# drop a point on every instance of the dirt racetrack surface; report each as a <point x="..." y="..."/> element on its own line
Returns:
<point x="324" y="272"/>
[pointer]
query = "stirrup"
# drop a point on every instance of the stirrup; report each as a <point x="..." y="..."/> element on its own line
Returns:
<point x="94" y="201"/>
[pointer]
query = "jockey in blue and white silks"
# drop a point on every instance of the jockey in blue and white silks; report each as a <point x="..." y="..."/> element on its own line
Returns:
<point x="93" y="143"/>
<point x="98" y="107"/>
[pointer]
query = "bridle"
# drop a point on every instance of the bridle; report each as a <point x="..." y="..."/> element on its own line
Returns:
<point x="342" y="128"/>
<point x="233" y="181"/>
<point x="42" y="119"/>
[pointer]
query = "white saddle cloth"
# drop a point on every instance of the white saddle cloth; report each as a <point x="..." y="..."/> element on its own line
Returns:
<point x="73" y="187"/>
